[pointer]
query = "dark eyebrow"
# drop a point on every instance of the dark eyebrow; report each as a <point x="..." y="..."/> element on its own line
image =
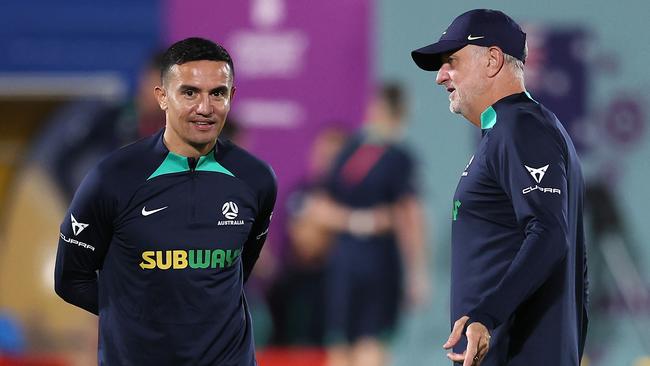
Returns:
<point x="185" y="87"/>
<point x="188" y="87"/>
<point x="223" y="89"/>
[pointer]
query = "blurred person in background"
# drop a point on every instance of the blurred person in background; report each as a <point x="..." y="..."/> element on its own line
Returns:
<point x="518" y="281"/>
<point x="85" y="131"/>
<point x="372" y="207"/>
<point x="297" y="296"/>
<point x="76" y="137"/>
<point x="616" y="284"/>
<point x="162" y="234"/>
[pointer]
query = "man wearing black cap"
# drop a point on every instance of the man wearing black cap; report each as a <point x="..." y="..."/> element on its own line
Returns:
<point x="518" y="281"/>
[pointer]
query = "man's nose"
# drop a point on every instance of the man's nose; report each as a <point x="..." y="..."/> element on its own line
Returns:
<point x="443" y="74"/>
<point x="204" y="108"/>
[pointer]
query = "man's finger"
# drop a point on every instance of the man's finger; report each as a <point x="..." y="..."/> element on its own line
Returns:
<point x="456" y="332"/>
<point x="471" y="360"/>
<point x="481" y="353"/>
<point x="456" y="357"/>
<point x="471" y="353"/>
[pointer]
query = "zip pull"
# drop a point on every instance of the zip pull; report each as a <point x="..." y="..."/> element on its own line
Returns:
<point x="191" y="162"/>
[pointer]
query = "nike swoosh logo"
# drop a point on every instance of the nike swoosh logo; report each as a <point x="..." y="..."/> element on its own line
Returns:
<point x="147" y="213"/>
<point x="470" y="38"/>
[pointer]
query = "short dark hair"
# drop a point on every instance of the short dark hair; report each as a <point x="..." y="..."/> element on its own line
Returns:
<point x="393" y="94"/>
<point x="194" y="49"/>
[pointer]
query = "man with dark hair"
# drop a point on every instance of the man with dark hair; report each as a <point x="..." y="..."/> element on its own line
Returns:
<point x="378" y="253"/>
<point x="393" y="96"/>
<point x="161" y="235"/>
<point x="518" y="278"/>
<point x="66" y="152"/>
<point x="194" y="49"/>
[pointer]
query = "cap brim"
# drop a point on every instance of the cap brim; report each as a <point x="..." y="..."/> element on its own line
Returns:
<point x="429" y="57"/>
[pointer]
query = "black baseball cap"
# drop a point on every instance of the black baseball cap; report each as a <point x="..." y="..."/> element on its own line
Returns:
<point x="481" y="27"/>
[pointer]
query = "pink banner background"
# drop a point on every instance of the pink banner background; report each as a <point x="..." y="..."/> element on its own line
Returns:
<point x="299" y="66"/>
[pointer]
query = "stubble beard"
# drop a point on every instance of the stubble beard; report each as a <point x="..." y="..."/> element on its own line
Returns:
<point x="455" y="104"/>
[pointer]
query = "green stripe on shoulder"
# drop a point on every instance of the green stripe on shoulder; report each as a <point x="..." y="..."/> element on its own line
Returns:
<point x="173" y="163"/>
<point x="531" y="98"/>
<point x="208" y="164"/>
<point x="488" y="118"/>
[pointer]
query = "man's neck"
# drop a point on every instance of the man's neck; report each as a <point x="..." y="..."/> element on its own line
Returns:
<point x="498" y="92"/>
<point x="185" y="149"/>
<point x="388" y="130"/>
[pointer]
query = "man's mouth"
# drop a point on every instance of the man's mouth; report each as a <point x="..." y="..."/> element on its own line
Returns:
<point x="203" y="123"/>
<point x="451" y="92"/>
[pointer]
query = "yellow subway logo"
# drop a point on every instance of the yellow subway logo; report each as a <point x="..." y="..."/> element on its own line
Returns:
<point x="194" y="259"/>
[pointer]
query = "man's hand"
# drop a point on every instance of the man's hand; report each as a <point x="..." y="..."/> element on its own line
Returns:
<point x="418" y="287"/>
<point x="478" y="342"/>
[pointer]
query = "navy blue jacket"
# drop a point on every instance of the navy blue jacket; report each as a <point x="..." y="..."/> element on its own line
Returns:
<point x="518" y="249"/>
<point x="160" y="245"/>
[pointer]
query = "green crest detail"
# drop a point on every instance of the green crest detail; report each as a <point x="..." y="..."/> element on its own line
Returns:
<point x="173" y="163"/>
<point x="488" y="118"/>
<point x="531" y="98"/>
<point x="208" y="164"/>
<point x="454" y="212"/>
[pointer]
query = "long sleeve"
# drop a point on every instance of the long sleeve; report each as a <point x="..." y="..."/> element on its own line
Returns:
<point x="529" y="163"/>
<point x="85" y="234"/>
<point x="259" y="231"/>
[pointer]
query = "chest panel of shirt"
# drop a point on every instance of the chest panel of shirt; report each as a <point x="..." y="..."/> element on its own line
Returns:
<point x="193" y="209"/>
<point x="479" y="197"/>
<point x="374" y="187"/>
<point x="483" y="223"/>
<point x="183" y="252"/>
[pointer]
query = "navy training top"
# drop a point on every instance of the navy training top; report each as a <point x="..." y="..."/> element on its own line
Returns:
<point x="518" y="248"/>
<point x="371" y="171"/>
<point x="160" y="245"/>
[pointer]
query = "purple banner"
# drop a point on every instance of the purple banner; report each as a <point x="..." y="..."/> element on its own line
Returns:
<point x="556" y="74"/>
<point x="299" y="66"/>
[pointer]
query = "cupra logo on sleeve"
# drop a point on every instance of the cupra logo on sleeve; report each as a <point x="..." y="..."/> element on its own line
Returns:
<point x="538" y="175"/>
<point x="77" y="227"/>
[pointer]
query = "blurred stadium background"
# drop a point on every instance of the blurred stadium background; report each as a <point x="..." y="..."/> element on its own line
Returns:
<point x="69" y="92"/>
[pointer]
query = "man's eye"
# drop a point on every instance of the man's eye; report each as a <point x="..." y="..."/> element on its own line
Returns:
<point x="189" y="93"/>
<point x="219" y="93"/>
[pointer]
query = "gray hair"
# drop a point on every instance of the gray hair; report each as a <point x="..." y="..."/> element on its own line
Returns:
<point x="515" y="64"/>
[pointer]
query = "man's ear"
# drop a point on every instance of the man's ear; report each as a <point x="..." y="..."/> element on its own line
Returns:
<point x="161" y="97"/>
<point x="495" y="61"/>
<point x="232" y="93"/>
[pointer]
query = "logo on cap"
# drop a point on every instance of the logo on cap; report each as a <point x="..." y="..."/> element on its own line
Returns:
<point x="502" y="32"/>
